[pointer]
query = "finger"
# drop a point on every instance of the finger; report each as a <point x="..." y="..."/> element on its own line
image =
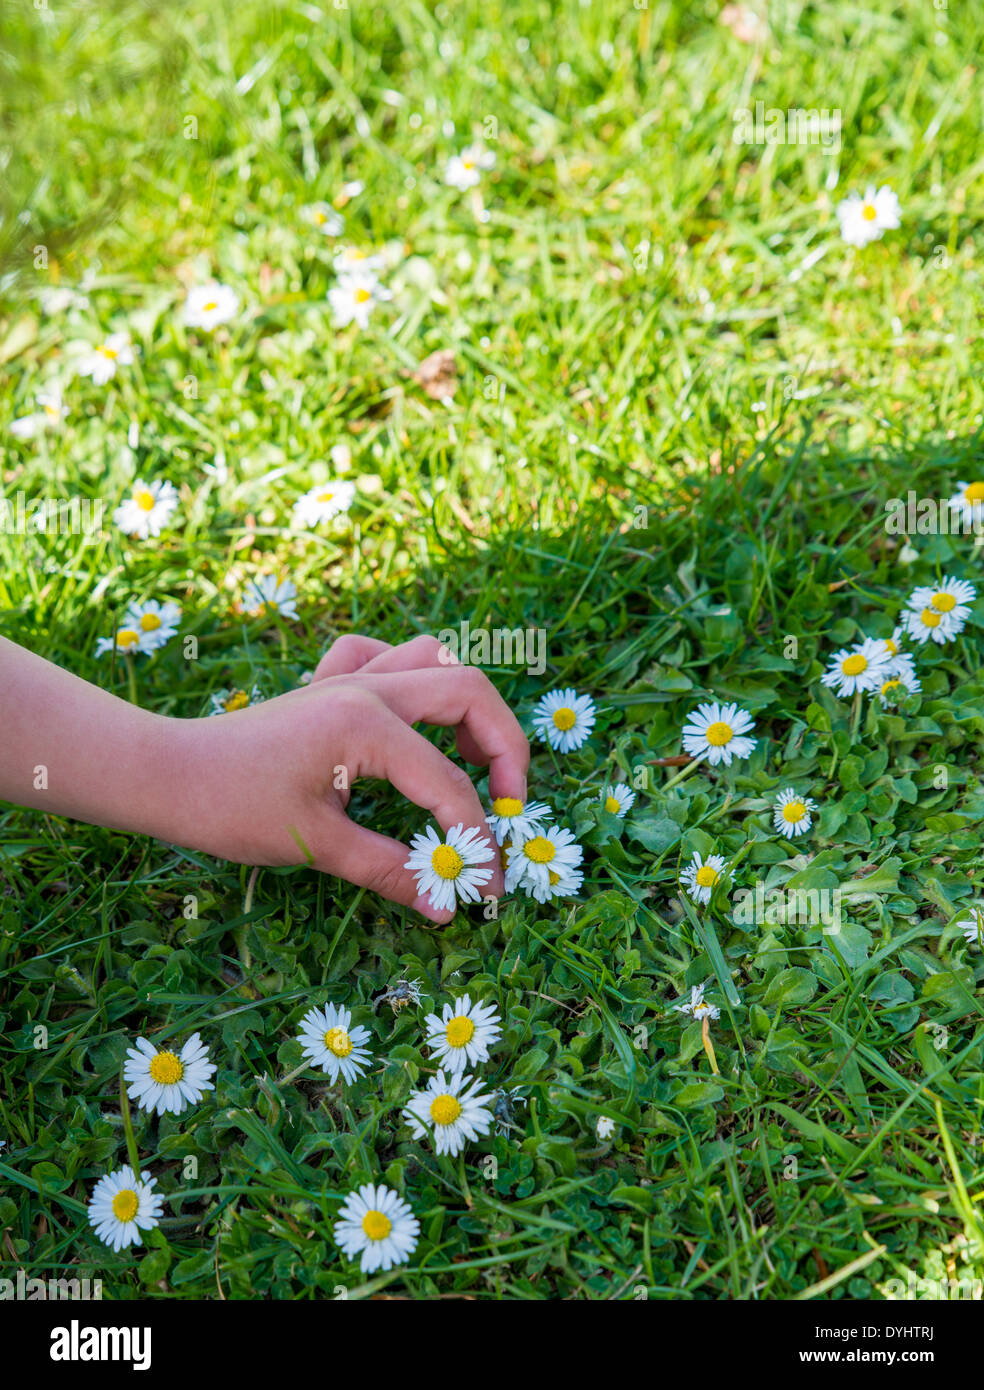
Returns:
<point x="462" y="695"/>
<point x="422" y="653"/>
<point x="347" y="654"/>
<point x="376" y="862"/>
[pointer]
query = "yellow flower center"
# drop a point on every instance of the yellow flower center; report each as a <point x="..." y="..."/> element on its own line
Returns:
<point x="553" y="878"/>
<point x="506" y="806"/>
<point x="975" y="492"/>
<point x="612" y="804"/>
<point x="207" y="308"/>
<point x="376" y="1225"/>
<point x="890" y="685"/>
<point x="706" y="876"/>
<point x="447" y="862"/>
<point x="854" y="665"/>
<point x="109" y="352"/>
<point x="892" y="645"/>
<point x="468" y="164"/>
<point x="564" y="719"/>
<point x="719" y="733"/>
<point x="362" y="296"/>
<point x="51" y="411"/>
<point x="338" y="1042"/>
<point x="144" y="499"/>
<point x="793" y="811"/>
<point x="325" y="496"/>
<point x="930" y="618"/>
<point x="126" y="637"/>
<point x="237" y="700"/>
<point x="460" y="1031"/>
<point x="943" y="602"/>
<point x="150" y="622"/>
<point x="869" y="212"/>
<point x="320" y="217"/>
<point x="126" y="1204"/>
<point x="445" y="1110"/>
<point x="540" y="849"/>
<point x="166" y="1069"/>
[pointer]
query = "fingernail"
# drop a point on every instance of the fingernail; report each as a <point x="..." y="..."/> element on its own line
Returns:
<point x="426" y="908"/>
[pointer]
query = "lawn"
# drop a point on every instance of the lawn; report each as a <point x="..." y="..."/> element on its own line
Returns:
<point x="673" y="406"/>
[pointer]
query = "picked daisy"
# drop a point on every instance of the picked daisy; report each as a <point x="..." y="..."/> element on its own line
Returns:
<point x="122" y="1206"/>
<point x="793" y="814"/>
<point x="148" y="509"/>
<point x="355" y="296"/>
<point x="210" y="305"/>
<point x="156" y="622"/>
<point x="545" y="865"/>
<point x="973" y="928"/>
<point x="323" y="502"/>
<point x="452" y="1108"/>
<point x="515" y="820"/>
<point x="719" y="733"/>
<point x="448" y="869"/>
<point x="564" y="719"/>
<point x="618" y="800"/>
<point x="324" y="217"/>
<point x="861" y="667"/>
<point x="50" y="415"/>
<point x="938" y="612"/>
<point x="464" y="170"/>
<point x="269" y="595"/>
<point x="101" y="362"/>
<point x="377" y="1224"/>
<point x="696" y="1005"/>
<point x="329" y="1041"/>
<point x="968" y="500"/>
<point x="463" y="1034"/>
<point x="162" y="1080"/>
<point x="701" y="876"/>
<point x="227" y="701"/>
<point x="867" y="219"/>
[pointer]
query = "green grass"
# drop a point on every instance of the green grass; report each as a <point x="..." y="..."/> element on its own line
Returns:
<point x="668" y="448"/>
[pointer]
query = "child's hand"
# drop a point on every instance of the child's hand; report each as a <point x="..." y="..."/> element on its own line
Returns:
<point x="267" y="784"/>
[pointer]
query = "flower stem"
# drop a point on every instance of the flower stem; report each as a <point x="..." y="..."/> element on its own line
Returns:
<point x="133" y="1152"/>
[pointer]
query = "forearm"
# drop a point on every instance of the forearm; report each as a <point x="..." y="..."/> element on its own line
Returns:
<point x="72" y="749"/>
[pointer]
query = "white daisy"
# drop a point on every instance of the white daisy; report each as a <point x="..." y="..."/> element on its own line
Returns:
<point x="323" y="502"/>
<point x="464" y="170"/>
<point x="122" y="1205"/>
<point x="929" y="624"/>
<point x="618" y="800"/>
<point x="861" y="667"/>
<point x="324" y="217"/>
<point x="148" y="509"/>
<point x="899" y="687"/>
<point x="448" y="869"/>
<point x="564" y="719"/>
<point x="269" y="594"/>
<point x="156" y="622"/>
<point x="51" y="414"/>
<point x="228" y="700"/>
<point x="866" y="219"/>
<point x="462" y="1036"/>
<point x="546" y="865"/>
<point x="378" y="1224"/>
<point x="605" y="1127"/>
<point x="792" y="813"/>
<point x="695" y="1005"/>
<point x="939" y="611"/>
<point x="209" y="305"/>
<point x="127" y="640"/>
<point x="513" y="820"/>
<point x="453" y="1108"/>
<point x="701" y="876"/>
<point x="101" y="362"/>
<point x="969" y="502"/>
<point x="330" y="1042"/>
<point x="164" y="1080"/>
<point x="351" y="261"/>
<point x="719" y="733"/>
<point x="352" y="300"/>
<point x="973" y="927"/>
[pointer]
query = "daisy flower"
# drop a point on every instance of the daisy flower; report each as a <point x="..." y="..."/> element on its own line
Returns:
<point x="719" y="733"/>
<point x="564" y="719"/>
<point x="605" y="1127"/>
<point x="330" y="1042"/>
<point x="454" y="1108"/>
<point x="898" y="688"/>
<point x="100" y="363"/>
<point x="351" y="261"/>
<point x="324" y="217"/>
<point x="352" y="300"/>
<point x="618" y="800"/>
<point x="792" y="813"/>
<point x="701" y="876"/>
<point x="165" y="1080"/>
<point x="323" y="502"/>
<point x="448" y="869"/>
<point x="969" y="502"/>
<point x="695" y="1005"/>
<point x="52" y="413"/>
<point x="148" y="509"/>
<point x="513" y="820"/>
<point x="126" y="640"/>
<point x="546" y="865"/>
<point x="462" y="1036"/>
<point x="861" y="667"/>
<point x="973" y="927"/>
<point x="377" y="1224"/>
<point x="269" y="595"/>
<point x="938" y="611"/>
<point x="209" y="305"/>
<point x="156" y="622"/>
<point x="464" y="170"/>
<point x="228" y="700"/>
<point x="866" y="219"/>
<point x="122" y="1205"/>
